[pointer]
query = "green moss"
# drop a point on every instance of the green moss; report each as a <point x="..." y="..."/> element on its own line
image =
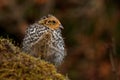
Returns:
<point x="16" y="65"/>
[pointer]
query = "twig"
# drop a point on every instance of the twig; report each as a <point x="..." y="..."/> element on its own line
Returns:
<point x="112" y="54"/>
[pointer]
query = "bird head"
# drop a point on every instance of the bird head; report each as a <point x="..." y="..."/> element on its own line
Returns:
<point x="51" y="22"/>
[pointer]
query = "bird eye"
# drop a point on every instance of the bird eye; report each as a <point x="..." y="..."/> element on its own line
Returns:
<point x="53" y="22"/>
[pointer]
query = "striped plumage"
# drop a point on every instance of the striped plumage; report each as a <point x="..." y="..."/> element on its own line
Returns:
<point x="43" y="40"/>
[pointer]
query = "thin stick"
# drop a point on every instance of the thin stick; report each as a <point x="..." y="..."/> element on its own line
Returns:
<point x="112" y="53"/>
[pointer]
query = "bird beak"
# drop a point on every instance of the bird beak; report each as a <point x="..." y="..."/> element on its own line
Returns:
<point x="61" y="26"/>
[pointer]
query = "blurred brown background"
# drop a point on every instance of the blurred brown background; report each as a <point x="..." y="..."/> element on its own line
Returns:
<point x="91" y="33"/>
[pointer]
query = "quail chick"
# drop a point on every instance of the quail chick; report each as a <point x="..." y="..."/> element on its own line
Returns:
<point x="44" y="40"/>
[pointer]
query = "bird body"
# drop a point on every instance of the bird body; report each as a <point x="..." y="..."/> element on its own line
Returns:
<point x="44" y="40"/>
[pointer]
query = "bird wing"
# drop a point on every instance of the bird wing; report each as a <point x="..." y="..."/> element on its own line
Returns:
<point x="32" y="35"/>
